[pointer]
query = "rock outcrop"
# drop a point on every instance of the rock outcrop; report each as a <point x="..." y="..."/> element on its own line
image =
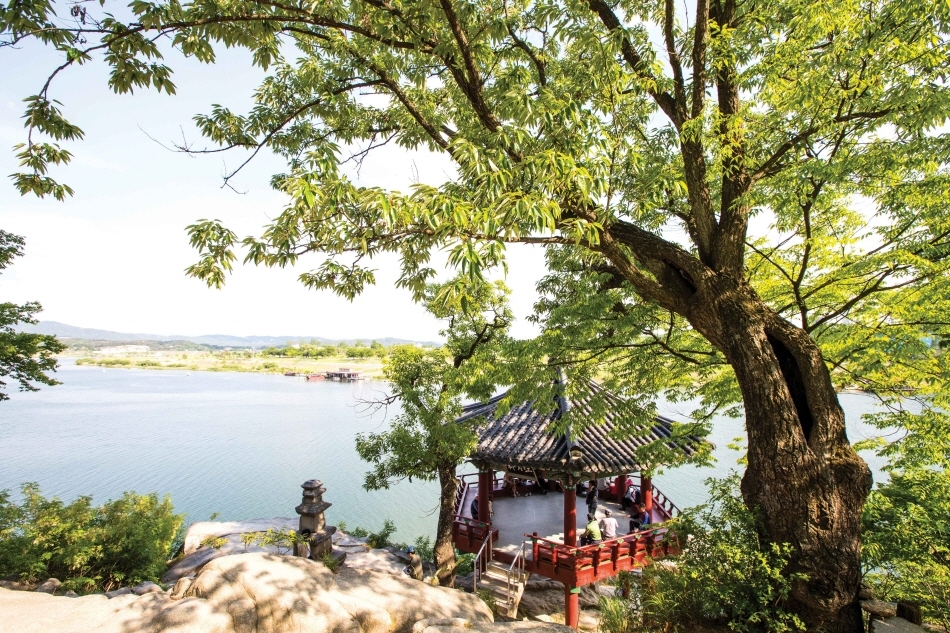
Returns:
<point x="461" y="625"/>
<point x="231" y="530"/>
<point x="252" y="593"/>
<point x="544" y="597"/>
<point x="49" y="586"/>
<point x="195" y="555"/>
<point x="894" y="625"/>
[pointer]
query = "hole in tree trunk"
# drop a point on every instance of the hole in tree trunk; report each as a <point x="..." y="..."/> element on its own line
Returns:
<point x="795" y="383"/>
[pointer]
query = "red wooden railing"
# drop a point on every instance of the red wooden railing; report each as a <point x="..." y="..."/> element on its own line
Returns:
<point x="664" y="502"/>
<point x="576" y="566"/>
<point x="583" y="565"/>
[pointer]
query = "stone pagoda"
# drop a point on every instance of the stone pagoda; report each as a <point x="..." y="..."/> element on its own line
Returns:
<point x="312" y="522"/>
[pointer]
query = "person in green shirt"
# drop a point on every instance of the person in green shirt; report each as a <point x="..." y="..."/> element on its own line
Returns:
<point x="592" y="534"/>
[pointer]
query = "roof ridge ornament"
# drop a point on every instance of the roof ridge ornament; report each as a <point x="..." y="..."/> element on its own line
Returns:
<point x="573" y="448"/>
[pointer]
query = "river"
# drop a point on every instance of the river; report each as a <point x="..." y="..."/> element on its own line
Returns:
<point x="240" y="445"/>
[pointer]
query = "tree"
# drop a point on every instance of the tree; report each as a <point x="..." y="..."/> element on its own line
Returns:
<point x="906" y="531"/>
<point x="424" y="441"/>
<point x="642" y="141"/>
<point x="24" y="357"/>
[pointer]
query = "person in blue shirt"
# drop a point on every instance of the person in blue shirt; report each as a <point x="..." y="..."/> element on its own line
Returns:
<point x="640" y="519"/>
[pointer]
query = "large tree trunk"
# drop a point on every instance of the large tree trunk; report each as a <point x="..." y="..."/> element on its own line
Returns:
<point x="444" y="547"/>
<point x="802" y="472"/>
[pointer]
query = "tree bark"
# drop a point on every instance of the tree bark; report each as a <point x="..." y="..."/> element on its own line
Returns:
<point x="444" y="549"/>
<point x="802" y="474"/>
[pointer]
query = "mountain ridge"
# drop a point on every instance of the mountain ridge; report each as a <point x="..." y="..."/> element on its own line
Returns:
<point x="66" y="331"/>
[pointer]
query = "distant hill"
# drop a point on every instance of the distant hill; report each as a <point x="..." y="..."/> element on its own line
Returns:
<point x="64" y="331"/>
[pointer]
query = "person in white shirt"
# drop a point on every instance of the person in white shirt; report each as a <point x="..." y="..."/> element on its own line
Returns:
<point x="608" y="526"/>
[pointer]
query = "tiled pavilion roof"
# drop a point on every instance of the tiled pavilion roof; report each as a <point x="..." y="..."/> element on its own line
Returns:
<point x="519" y="439"/>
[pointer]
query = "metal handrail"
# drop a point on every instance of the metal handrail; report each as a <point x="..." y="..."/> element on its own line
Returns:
<point x="478" y="558"/>
<point x="520" y="556"/>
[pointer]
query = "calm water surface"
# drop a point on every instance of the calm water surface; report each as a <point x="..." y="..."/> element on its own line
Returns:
<point x="241" y="445"/>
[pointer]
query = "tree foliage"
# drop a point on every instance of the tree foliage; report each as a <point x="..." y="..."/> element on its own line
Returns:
<point x="26" y="358"/>
<point x="119" y="543"/>
<point x="564" y="118"/>
<point x="424" y="440"/>
<point x="907" y="541"/>
<point x="429" y="385"/>
<point x="726" y="574"/>
<point x="743" y="203"/>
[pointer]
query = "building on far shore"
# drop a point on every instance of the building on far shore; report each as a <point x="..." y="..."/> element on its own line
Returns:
<point x="123" y="349"/>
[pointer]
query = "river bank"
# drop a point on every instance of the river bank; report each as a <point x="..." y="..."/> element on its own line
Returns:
<point x="226" y="361"/>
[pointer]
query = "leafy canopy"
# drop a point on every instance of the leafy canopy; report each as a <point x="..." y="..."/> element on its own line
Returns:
<point x="424" y="438"/>
<point x="24" y="357"/>
<point x="637" y="141"/>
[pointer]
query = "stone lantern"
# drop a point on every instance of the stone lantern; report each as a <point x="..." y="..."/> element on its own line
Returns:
<point x="312" y="521"/>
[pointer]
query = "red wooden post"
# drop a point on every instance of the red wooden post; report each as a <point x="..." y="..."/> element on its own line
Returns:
<point x="485" y="484"/>
<point x="621" y="488"/>
<point x="646" y="488"/>
<point x="571" y="603"/>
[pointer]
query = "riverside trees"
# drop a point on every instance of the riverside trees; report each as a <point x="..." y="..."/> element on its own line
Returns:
<point x="27" y="358"/>
<point x="750" y="193"/>
<point x="424" y="441"/>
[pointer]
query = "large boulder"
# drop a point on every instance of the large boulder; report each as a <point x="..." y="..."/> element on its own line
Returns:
<point x="49" y="586"/>
<point x="879" y="609"/>
<point x="376" y="560"/>
<point x="253" y="593"/>
<point x="232" y="530"/>
<point x="191" y="564"/>
<point x="894" y="625"/>
<point x="546" y="597"/>
<point x="461" y="625"/>
<point x="297" y="594"/>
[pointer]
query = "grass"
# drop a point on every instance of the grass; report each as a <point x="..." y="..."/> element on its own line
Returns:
<point x="229" y="362"/>
<point x="330" y="561"/>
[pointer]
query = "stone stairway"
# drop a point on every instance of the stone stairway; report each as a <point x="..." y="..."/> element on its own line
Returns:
<point x="495" y="580"/>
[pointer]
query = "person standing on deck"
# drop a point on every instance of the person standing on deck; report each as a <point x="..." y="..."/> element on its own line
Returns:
<point x="592" y="497"/>
<point x="608" y="526"/>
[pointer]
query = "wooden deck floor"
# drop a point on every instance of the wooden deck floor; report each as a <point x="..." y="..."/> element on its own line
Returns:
<point x="544" y="514"/>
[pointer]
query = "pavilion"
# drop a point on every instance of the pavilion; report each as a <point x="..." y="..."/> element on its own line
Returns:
<point x="522" y="533"/>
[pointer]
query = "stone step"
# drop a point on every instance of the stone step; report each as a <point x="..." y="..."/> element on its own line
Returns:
<point x="496" y="574"/>
<point x="894" y="625"/>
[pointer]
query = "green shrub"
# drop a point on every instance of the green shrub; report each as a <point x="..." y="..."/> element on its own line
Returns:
<point x="425" y="549"/>
<point x="377" y="539"/>
<point x="284" y="540"/>
<point x="488" y="597"/>
<point x="359" y="532"/>
<point x="464" y="563"/>
<point x="330" y="561"/>
<point x="121" y="542"/>
<point x="618" y="615"/>
<point x="149" y="363"/>
<point x="381" y="538"/>
<point x="906" y="541"/>
<point x="114" y="362"/>
<point x="725" y="574"/>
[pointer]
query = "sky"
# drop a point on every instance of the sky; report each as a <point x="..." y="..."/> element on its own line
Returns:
<point x="113" y="256"/>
